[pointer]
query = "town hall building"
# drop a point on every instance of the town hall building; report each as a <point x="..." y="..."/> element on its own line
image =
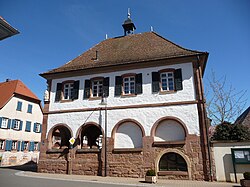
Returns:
<point x="128" y="104"/>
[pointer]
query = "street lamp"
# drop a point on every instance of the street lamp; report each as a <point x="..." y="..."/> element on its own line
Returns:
<point x="104" y="102"/>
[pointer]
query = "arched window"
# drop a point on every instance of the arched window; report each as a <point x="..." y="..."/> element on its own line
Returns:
<point x="91" y="135"/>
<point x="128" y="135"/>
<point x="169" y="130"/>
<point x="60" y="137"/>
<point x="172" y="162"/>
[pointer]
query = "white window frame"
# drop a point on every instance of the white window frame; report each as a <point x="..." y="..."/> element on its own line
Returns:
<point x="128" y="85"/>
<point x="68" y="89"/>
<point x="36" y="146"/>
<point x="2" y="142"/>
<point x="4" y="123"/>
<point x="37" y="127"/>
<point x="17" y="124"/>
<point x="97" y="88"/>
<point x="167" y="78"/>
<point x="14" y="145"/>
<point x="25" y="145"/>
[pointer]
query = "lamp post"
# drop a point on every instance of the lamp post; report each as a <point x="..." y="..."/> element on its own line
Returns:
<point x="104" y="102"/>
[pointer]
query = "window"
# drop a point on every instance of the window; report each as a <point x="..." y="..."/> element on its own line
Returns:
<point x="4" y="123"/>
<point x="19" y="106"/>
<point x="14" y="145"/>
<point x="25" y="145"/>
<point x="97" y="86"/>
<point x="128" y="84"/>
<point x="1" y="144"/>
<point x="16" y="124"/>
<point x="36" y="146"/>
<point x="67" y="91"/>
<point x="29" y="109"/>
<point x="172" y="162"/>
<point x="37" y="127"/>
<point x="167" y="80"/>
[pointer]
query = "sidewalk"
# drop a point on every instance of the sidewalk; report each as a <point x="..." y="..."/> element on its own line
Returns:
<point x="126" y="181"/>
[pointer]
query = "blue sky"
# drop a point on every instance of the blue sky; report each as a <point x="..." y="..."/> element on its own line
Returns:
<point x="54" y="32"/>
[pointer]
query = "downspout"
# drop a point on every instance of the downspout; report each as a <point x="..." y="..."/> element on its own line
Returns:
<point x="206" y="125"/>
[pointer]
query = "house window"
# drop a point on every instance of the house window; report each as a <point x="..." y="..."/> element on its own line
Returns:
<point x="67" y="91"/>
<point x="97" y="88"/>
<point x="167" y="81"/>
<point x="28" y="126"/>
<point x="14" y="145"/>
<point x="129" y="85"/>
<point x="4" y="123"/>
<point x="25" y="145"/>
<point x="29" y="109"/>
<point x="37" y="127"/>
<point x="1" y="144"/>
<point x="19" y="106"/>
<point x="36" y="146"/>
<point x="16" y="124"/>
<point x="172" y="162"/>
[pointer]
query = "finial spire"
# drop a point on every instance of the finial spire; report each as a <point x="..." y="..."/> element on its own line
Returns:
<point x="129" y="13"/>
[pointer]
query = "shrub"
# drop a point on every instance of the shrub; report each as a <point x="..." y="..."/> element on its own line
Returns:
<point x="151" y="172"/>
<point x="246" y="175"/>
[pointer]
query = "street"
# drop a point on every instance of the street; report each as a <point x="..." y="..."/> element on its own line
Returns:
<point x="8" y="178"/>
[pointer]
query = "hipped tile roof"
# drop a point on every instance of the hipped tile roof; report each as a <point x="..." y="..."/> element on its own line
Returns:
<point x="10" y="88"/>
<point x="133" y="48"/>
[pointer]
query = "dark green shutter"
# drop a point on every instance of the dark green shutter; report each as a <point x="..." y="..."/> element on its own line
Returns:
<point x="106" y="86"/>
<point x="86" y="89"/>
<point x="0" y="122"/>
<point x="138" y="84"/>
<point x="118" y="85"/>
<point x="178" y="79"/>
<point x="155" y="82"/>
<point x="76" y="89"/>
<point x="19" y="106"/>
<point x="58" y="92"/>
<point x="10" y="145"/>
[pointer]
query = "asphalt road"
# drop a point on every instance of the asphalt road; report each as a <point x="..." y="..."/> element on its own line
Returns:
<point x="9" y="179"/>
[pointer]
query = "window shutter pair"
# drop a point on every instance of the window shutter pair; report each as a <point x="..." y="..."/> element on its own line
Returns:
<point x="30" y="108"/>
<point x="22" y="146"/>
<point x="177" y="81"/>
<point x="9" y="124"/>
<point x="59" y="88"/>
<point x="20" y="124"/>
<point x="18" y="146"/>
<point x="28" y="126"/>
<point x="19" y="106"/>
<point x="87" y="88"/>
<point x="119" y="83"/>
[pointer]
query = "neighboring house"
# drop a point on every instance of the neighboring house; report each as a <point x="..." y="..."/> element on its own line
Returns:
<point x="20" y="124"/>
<point x="244" y="118"/>
<point x="154" y="115"/>
<point x="6" y="30"/>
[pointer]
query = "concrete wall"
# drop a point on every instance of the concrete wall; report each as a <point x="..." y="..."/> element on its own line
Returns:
<point x="223" y="161"/>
